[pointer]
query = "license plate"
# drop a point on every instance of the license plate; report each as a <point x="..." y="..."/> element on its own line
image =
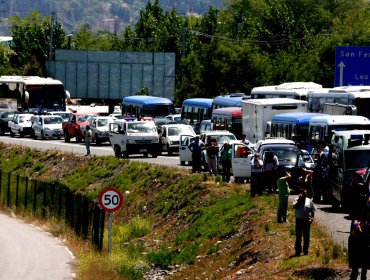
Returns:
<point x="143" y="150"/>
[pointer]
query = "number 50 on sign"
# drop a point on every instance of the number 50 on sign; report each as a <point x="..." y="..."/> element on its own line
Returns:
<point x="110" y="199"/>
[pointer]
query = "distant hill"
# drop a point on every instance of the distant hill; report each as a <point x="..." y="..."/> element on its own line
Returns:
<point x="112" y="15"/>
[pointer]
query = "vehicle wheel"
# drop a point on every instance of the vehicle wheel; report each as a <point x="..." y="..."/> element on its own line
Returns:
<point x="12" y="134"/>
<point x="42" y="135"/>
<point x="146" y="155"/>
<point x="34" y="136"/>
<point x="117" y="151"/>
<point x="154" y="155"/>
<point x="182" y="162"/>
<point x="237" y="180"/>
<point x="78" y="138"/>
<point x="169" y="151"/>
<point x="1" y="131"/>
<point x="98" y="141"/>
<point x="125" y="154"/>
<point x="67" y="139"/>
<point x="21" y="134"/>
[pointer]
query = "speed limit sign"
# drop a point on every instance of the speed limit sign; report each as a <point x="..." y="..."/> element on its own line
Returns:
<point x="110" y="199"/>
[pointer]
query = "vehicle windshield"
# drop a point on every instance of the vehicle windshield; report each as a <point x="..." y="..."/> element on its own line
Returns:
<point x="356" y="159"/>
<point x="223" y="138"/>
<point x="142" y="127"/>
<point x="174" y="131"/>
<point x="284" y="153"/>
<point x="53" y="120"/>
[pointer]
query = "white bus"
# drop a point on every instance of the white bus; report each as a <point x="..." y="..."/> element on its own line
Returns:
<point x="34" y="94"/>
<point x="350" y="100"/>
<point x="321" y="127"/>
<point x="257" y="115"/>
<point x="294" y="90"/>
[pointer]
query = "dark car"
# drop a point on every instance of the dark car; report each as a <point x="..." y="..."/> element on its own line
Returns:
<point x="286" y="154"/>
<point x="5" y="117"/>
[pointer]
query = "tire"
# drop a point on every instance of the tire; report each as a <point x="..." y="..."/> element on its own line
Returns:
<point x="78" y="138"/>
<point x="182" y="163"/>
<point x="1" y="132"/>
<point x="154" y="155"/>
<point x="21" y="134"/>
<point x="117" y="151"/>
<point x="42" y="135"/>
<point x="125" y="154"/>
<point x="169" y="151"/>
<point x="98" y="141"/>
<point x="12" y="134"/>
<point x="67" y="139"/>
<point x="146" y="155"/>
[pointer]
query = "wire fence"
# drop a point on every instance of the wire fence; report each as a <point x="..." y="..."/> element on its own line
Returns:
<point x="54" y="200"/>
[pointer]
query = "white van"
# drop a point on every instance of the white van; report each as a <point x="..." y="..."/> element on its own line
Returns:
<point x="134" y="137"/>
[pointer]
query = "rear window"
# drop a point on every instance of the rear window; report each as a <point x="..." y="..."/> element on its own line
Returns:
<point x="287" y="152"/>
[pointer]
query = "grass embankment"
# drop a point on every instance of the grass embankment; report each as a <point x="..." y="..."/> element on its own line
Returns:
<point x="194" y="226"/>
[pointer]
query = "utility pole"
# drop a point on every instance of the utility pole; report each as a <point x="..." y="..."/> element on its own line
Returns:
<point x="51" y="36"/>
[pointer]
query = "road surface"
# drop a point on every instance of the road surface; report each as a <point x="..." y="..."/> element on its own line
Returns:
<point x="28" y="252"/>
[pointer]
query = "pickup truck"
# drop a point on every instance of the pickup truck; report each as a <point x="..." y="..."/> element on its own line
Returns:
<point x="21" y="124"/>
<point x="72" y="127"/>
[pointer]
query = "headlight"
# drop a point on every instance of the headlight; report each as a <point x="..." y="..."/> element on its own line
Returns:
<point x="47" y="129"/>
<point x="155" y="140"/>
<point x="131" y="141"/>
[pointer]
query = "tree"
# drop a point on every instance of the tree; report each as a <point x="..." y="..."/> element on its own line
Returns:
<point x="31" y="39"/>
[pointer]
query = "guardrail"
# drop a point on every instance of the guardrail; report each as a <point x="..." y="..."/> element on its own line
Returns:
<point x="54" y="200"/>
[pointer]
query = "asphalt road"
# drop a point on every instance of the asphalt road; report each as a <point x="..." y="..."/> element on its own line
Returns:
<point x="29" y="253"/>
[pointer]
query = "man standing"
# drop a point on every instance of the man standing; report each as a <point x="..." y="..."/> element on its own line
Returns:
<point x="284" y="192"/>
<point x="226" y="156"/>
<point x="88" y="139"/>
<point x="196" y="148"/>
<point x="256" y="175"/>
<point x="212" y="154"/>
<point x="304" y="214"/>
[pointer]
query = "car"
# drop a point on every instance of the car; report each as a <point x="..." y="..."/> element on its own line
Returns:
<point x="162" y="121"/>
<point x="174" y="118"/>
<point x="169" y="136"/>
<point x="47" y="126"/>
<point x="287" y="154"/>
<point x="21" y="124"/>
<point x="5" y="116"/>
<point x="64" y="114"/>
<point x="99" y="126"/>
<point x="273" y="140"/>
<point x="241" y="167"/>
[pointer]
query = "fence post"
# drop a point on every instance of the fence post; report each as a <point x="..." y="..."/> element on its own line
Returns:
<point x="26" y="194"/>
<point x="34" y="195"/>
<point x="1" y="181"/>
<point x="52" y="198"/>
<point x="8" y="191"/>
<point x="102" y="224"/>
<point x="44" y="200"/>
<point x="60" y="199"/>
<point x="17" y="191"/>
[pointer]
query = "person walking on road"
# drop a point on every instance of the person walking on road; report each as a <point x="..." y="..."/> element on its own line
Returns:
<point x="88" y="139"/>
<point x="304" y="214"/>
<point x="256" y="175"/>
<point x="196" y="148"/>
<point x="284" y="191"/>
<point x="212" y="154"/>
<point x="226" y="156"/>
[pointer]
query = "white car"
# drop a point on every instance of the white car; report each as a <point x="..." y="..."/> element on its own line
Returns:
<point x="221" y="136"/>
<point x="47" y="126"/>
<point x="169" y="136"/>
<point x="99" y="126"/>
<point x="21" y="124"/>
<point x="240" y="162"/>
<point x="175" y="118"/>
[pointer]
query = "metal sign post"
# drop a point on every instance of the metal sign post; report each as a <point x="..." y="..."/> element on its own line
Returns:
<point x="110" y="200"/>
